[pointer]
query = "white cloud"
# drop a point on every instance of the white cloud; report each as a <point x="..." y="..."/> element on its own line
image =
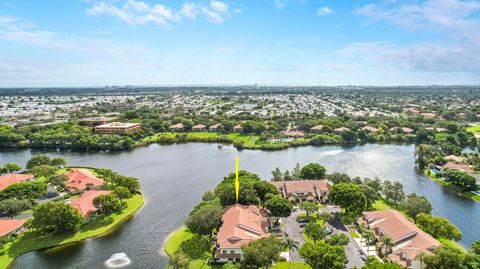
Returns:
<point x="324" y="11"/>
<point x="454" y="20"/>
<point x="280" y="3"/>
<point x="140" y="13"/>
<point x="189" y="10"/>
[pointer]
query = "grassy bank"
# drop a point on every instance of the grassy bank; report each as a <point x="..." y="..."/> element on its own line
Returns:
<point x="474" y="129"/>
<point x="195" y="247"/>
<point x="457" y="190"/>
<point x="30" y="241"/>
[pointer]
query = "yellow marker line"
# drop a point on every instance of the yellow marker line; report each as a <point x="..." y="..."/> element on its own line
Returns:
<point x="237" y="184"/>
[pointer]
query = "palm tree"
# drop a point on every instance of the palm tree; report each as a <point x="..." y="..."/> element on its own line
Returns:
<point x="361" y="228"/>
<point x="290" y="244"/>
<point x="387" y="243"/>
<point x="369" y="235"/>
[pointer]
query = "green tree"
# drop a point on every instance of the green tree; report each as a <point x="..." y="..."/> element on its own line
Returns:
<point x="107" y="204"/>
<point x="263" y="188"/>
<point x="315" y="231"/>
<point x="277" y="175"/>
<point x="348" y="196"/>
<point x="229" y="265"/>
<point x="438" y="227"/>
<point x="349" y="136"/>
<point x="56" y="217"/>
<point x="326" y="216"/>
<point x="415" y="205"/>
<point x="11" y="168"/>
<point x="321" y="255"/>
<point x="297" y="172"/>
<point x="291" y="245"/>
<point x="205" y="220"/>
<point x="310" y="208"/>
<point x="130" y="183"/>
<point x="387" y="243"/>
<point x="313" y="171"/>
<point x="376" y="264"/>
<point x="122" y="193"/>
<point x="38" y="160"/>
<point x="338" y="239"/>
<point x="44" y="170"/>
<point x="262" y="253"/>
<point x="12" y="207"/>
<point x="278" y="207"/>
<point x="59" y="181"/>
<point x="208" y="196"/>
<point x="448" y="257"/>
<point x="58" y="162"/>
<point x="179" y="260"/>
<point x="25" y="190"/>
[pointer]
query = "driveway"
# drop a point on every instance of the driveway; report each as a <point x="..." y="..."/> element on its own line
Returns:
<point x="293" y="230"/>
<point x="352" y="250"/>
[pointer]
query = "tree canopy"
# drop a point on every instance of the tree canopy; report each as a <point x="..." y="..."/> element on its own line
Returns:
<point x="56" y="217"/>
<point x="321" y="255"/>
<point x="438" y="227"/>
<point x="262" y="253"/>
<point x="348" y="196"/>
<point x="205" y="219"/>
<point x="313" y="171"/>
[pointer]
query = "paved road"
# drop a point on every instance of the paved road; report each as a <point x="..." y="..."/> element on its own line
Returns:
<point x="293" y="231"/>
<point x="352" y="250"/>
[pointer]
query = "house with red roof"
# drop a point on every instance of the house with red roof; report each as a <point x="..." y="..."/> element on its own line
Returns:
<point x="9" y="226"/>
<point x="304" y="190"/>
<point x="84" y="203"/>
<point x="9" y="179"/>
<point x="80" y="179"/>
<point x="241" y="224"/>
<point x="410" y="242"/>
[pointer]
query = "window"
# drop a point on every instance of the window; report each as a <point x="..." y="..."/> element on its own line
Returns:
<point x="232" y="251"/>
<point x="224" y="251"/>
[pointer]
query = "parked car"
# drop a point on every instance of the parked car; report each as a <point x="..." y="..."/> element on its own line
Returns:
<point x="302" y="224"/>
<point x="302" y="220"/>
<point x="329" y="229"/>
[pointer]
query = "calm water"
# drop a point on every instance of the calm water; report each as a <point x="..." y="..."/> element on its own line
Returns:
<point x="175" y="177"/>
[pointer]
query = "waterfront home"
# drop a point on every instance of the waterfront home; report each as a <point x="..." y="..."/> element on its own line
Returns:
<point x="316" y="129"/>
<point x="404" y="130"/>
<point x="340" y="130"/>
<point x="10" y="226"/>
<point x="370" y="129"/>
<point x="9" y="179"/>
<point x="238" y="128"/>
<point x="410" y="242"/>
<point x="440" y="130"/>
<point x="294" y="134"/>
<point x="179" y="127"/>
<point x="428" y="115"/>
<point x="459" y="166"/>
<point x="81" y="179"/>
<point x="117" y="128"/>
<point x="214" y="128"/>
<point x="84" y="203"/>
<point x="241" y="224"/>
<point x="198" y="128"/>
<point x="304" y="190"/>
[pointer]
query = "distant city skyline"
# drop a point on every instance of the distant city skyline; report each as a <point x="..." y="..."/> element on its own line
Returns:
<point x="74" y="43"/>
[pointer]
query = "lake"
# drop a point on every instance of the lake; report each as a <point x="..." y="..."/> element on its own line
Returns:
<point x="174" y="177"/>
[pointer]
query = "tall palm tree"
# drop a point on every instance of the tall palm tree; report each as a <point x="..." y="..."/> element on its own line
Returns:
<point x="290" y="244"/>
<point x="387" y="243"/>
<point x="369" y="236"/>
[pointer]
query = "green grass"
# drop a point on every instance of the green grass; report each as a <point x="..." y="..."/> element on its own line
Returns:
<point x="474" y="129"/>
<point x="457" y="190"/>
<point x="176" y="239"/>
<point x="30" y="240"/>
<point x="294" y="265"/>
<point x="354" y="234"/>
<point x="380" y="205"/>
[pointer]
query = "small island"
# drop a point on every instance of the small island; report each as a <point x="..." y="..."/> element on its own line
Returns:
<point x="51" y="204"/>
<point x="306" y="218"/>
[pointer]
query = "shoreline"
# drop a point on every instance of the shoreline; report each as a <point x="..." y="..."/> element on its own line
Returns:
<point x="468" y="195"/>
<point x="6" y="260"/>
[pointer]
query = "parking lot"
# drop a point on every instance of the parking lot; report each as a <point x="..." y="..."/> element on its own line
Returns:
<point x="294" y="231"/>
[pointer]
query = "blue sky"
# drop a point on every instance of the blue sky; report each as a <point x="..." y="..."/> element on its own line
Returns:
<point x="215" y="42"/>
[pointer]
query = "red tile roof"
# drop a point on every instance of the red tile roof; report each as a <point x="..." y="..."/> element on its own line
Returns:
<point x="241" y="224"/>
<point x="294" y="186"/>
<point x="401" y="230"/>
<point x="79" y="178"/>
<point x="84" y="203"/>
<point x="9" y="179"/>
<point x="9" y="225"/>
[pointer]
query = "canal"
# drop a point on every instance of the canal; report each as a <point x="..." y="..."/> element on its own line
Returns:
<point x="174" y="177"/>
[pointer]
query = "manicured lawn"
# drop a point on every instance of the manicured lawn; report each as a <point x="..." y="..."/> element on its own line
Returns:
<point x="294" y="265"/>
<point x="380" y="205"/>
<point x="176" y="239"/>
<point x="354" y="234"/>
<point x="30" y="241"/>
<point x="474" y="129"/>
